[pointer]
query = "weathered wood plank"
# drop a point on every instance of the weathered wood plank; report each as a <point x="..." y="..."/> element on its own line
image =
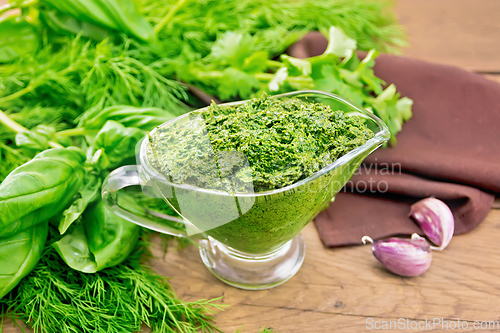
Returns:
<point x="463" y="33"/>
<point x="289" y="320"/>
<point x="462" y="283"/>
<point x="494" y="77"/>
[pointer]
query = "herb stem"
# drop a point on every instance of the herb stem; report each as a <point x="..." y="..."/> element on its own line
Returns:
<point x="18" y="93"/>
<point x="262" y="77"/>
<point x="274" y="64"/>
<point x="15" y="127"/>
<point x="265" y="77"/>
<point x="11" y="124"/>
<point x="30" y="87"/>
<point x="55" y="144"/>
<point x="299" y="79"/>
<point x="176" y="323"/>
<point x="78" y="131"/>
<point x="169" y="15"/>
<point x="18" y="325"/>
<point x="208" y="75"/>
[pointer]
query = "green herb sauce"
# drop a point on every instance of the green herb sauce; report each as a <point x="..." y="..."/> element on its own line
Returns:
<point x="263" y="145"/>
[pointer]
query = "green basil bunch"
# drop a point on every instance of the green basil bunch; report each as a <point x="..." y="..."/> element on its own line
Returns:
<point x="116" y="143"/>
<point x="18" y="37"/>
<point x="118" y="15"/>
<point x="102" y="240"/>
<point x="143" y="118"/>
<point x="40" y="189"/>
<point x="65" y="24"/>
<point x="19" y="254"/>
<point x="89" y="192"/>
<point x="37" y="138"/>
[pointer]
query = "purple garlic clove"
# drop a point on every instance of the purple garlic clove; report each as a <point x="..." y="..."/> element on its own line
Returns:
<point x="405" y="257"/>
<point x="435" y="219"/>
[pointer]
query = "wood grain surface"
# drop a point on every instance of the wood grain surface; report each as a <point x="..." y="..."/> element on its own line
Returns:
<point x="339" y="290"/>
<point x="464" y="33"/>
<point x="342" y="288"/>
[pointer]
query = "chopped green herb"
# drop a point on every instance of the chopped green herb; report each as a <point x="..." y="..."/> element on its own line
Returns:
<point x="265" y="144"/>
<point x="268" y="142"/>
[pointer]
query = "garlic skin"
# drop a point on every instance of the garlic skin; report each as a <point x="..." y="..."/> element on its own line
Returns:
<point x="405" y="257"/>
<point x="436" y="220"/>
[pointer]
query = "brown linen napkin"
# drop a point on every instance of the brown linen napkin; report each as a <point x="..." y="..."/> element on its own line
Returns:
<point x="450" y="149"/>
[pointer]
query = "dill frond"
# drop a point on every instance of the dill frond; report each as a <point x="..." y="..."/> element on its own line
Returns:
<point x="55" y="299"/>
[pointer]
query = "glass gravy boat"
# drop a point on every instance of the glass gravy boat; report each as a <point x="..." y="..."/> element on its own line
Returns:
<point x="249" y="240"/>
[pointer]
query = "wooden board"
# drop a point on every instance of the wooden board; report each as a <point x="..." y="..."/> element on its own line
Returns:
<point x="344" y="287"/>
<point x="493" y="77"/>
<point x="464" y="33"/>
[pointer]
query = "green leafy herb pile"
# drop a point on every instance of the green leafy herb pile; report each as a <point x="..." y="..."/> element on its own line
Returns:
<point x="265" y="144"/>
<point x="71" y="60"/>
<point x="120" y="299"/>
<point x="232" y="70"/>
<point x="60" y="189"/>
<point x="81" y="81"/>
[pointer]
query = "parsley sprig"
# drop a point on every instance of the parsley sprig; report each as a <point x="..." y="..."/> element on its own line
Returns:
<point x="234" y="71"/>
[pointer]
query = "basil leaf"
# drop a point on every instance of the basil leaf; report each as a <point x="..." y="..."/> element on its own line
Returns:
<point x="19" y="254"/>
<point x="103" y="240"/>
<point x="32" y="140"/>
<point x="117" y="141"/>
<point x="18" y="37"/>
<point x="89" y="192"/>
<point x="74" y="250"/>
<point x="118" y="15"/>
<point x="110" y="238"/>
<point x="40" y="189"/>
<point x="37" y="139"/>
<point x="65" y="24"/>
<point x="142" y="118"/>
<point x="99" y="160"/>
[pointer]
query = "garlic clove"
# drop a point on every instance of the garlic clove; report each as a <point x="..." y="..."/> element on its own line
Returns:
<point x="436" y="220"/>
<point x="405" y="257"/>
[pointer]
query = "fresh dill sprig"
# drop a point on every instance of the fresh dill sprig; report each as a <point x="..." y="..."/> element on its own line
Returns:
<point x="72" y="72"/>
<point x="64" y="79"/>
<point x="276" y="23"/>
<point x="10" y="158"/>
<point x="83" y="74"/>
<point x="55" y="299"/>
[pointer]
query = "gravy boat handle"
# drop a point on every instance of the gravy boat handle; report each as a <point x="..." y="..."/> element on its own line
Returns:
<point x="125" y="207"/>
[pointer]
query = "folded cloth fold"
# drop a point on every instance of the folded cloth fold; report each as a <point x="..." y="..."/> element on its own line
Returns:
<point x="450" y="149"/>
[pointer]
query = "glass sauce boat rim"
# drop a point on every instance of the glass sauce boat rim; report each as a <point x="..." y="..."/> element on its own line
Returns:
<point x="380" y="137"/>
